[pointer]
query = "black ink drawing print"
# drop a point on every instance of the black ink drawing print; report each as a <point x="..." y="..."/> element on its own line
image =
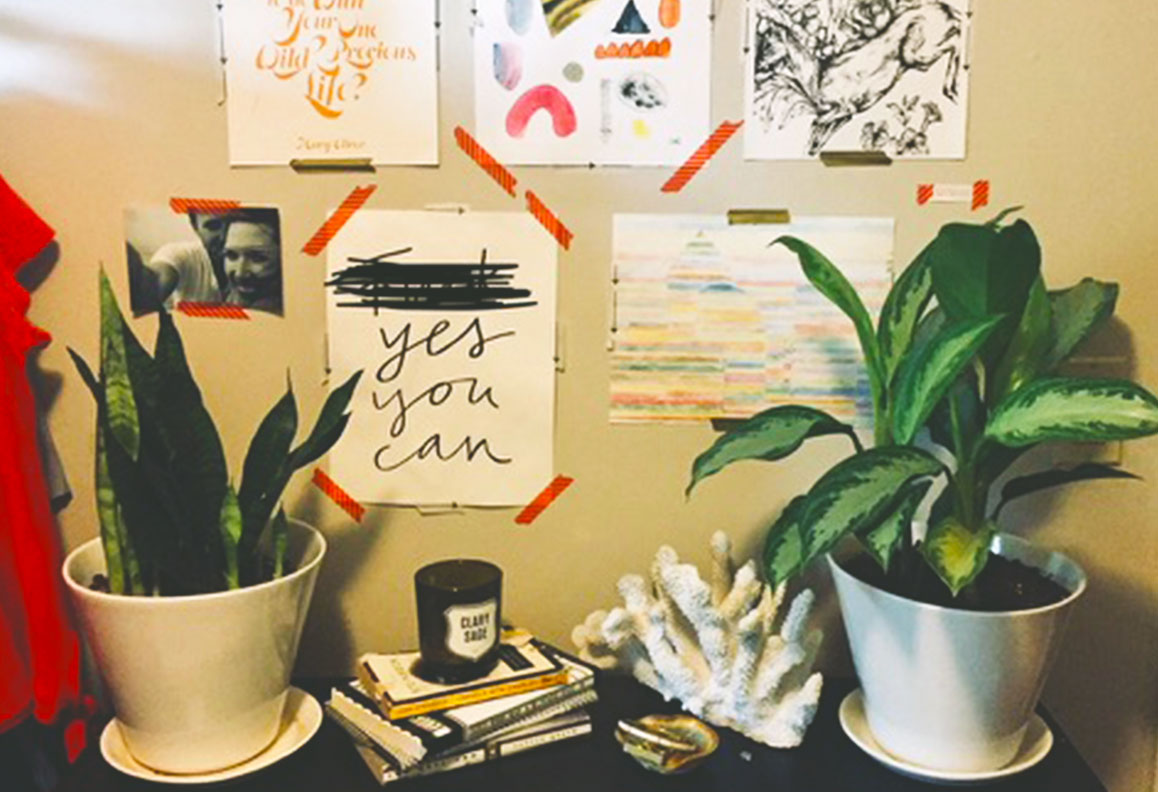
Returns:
<point x="839" y="75"/>
<point x="382" y="282"/>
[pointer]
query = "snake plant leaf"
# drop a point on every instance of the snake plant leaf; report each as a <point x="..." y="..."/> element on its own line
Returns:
<point x="903" y="309"/>
<point x="956" y="553"/>
<point x="883" y="540"/>
<point x="198" y="459"/>
<point x="857" y="493"/>
<point x="268" y="451"/>
<point x="1076" y="410"/>
<point x="1036" y="482"/>
<point x="231" y="536"/>
<point x="830" y="282"/>
<point x="149" y="522"/>
<point x="329" y="426"/>
<point x="86" y="374"/>
<point x="1076" y="312"/>
<point x="1025" y="357"/>
<point x="769" y="435"/>
<point x="108" y="515"/>
<point x="929" y="370"/>
<point x="783" y="546"/>
<point x="119" y="400"/>
<point x="280" y="528"/>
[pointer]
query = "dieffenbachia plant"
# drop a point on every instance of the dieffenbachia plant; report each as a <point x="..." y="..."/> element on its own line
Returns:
<point x="170" y="519"/>
<point x="978" y="369"/>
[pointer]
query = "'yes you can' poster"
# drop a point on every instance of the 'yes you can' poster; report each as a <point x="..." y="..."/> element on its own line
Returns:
<point x="451" y="317"/>
<point x="331" y="79"/>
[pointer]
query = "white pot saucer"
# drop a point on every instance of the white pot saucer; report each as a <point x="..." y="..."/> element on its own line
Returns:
<point x="1037" y="743"/>
<point x="300" y="720"/>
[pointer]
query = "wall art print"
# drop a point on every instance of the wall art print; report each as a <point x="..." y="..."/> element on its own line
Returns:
<point x="331" y="79"/>
<point x="847" y="75"/>
<point x="452" y="316"/>
<point x="605" y="82"/>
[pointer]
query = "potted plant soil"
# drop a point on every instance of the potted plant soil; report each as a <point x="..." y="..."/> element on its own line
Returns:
<point x="953" y="628"/>
<point x="194" y="595"/>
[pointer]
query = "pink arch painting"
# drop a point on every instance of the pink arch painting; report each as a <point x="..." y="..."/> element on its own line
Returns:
<point x="542" y="97"/>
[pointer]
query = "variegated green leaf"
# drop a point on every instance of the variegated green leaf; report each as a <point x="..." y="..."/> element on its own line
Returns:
<point x="1077" y="410"/>
<point x="927" y="372"/>
<point x="1076" y="311"/>
<point x="119" y="401"/>
<point x="783" y="549"/>
<point x="956" y="553"/>
<point x="231" y="536"/>
<point x="883" y="540"/>
<point x="1036" y="482"/>
<point x="831" y="282"/>
<point x="997" y="221"/>
<point x="902" y="311"/>
<point x="856" y="494"/>
<point x="984" y="270"/>
<point x="772" y="434"/>
<point x="1025" y="357"/>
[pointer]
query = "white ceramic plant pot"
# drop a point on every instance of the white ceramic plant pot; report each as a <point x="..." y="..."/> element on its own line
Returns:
<point x="948" y="689"/>
<point x="198" y="682"/>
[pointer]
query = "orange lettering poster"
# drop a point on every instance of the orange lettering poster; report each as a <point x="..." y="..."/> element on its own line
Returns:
<point x="331" y="79"/>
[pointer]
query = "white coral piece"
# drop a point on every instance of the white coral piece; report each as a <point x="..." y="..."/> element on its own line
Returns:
<point x="715" y="646"/>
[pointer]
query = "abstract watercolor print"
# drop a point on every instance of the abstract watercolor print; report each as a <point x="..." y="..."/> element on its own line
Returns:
<point x="608" y="82"/>
<point x="842" y="75"/>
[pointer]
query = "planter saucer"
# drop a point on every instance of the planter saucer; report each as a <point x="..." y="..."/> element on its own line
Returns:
<point x="300" y="720"/>
<point x="1037" y="743"/>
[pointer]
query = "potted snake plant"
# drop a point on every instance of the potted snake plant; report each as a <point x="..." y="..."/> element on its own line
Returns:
<point x="194" y="595"/>
<point x="965" y="366"/>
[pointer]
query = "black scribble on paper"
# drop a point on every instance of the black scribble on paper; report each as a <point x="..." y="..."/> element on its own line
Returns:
<point x="833" y="60"/>
<point x="382" y="283"/>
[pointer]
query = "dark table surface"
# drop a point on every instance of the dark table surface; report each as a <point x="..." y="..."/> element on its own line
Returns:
<point x="826" y="762"/>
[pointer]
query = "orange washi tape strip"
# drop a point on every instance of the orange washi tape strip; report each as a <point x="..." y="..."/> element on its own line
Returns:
<point x="206" y="310"/>
<point x="205" y="205"/>
<point x="338" y="495"/>
<point x="924" y="194"/>
<point x="701" y="156"/>
<point x="497" y="171"/>
<point x="543" y="500"/>
<point x="549" y="220"/>
<point x="980" y="194"/>
<point x="353" y="202"/>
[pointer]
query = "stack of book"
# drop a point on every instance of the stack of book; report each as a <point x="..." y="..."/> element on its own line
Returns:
<point x="404" y="726"/>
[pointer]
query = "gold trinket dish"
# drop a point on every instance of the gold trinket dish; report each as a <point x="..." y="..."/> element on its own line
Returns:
<point x="667" y="744"/>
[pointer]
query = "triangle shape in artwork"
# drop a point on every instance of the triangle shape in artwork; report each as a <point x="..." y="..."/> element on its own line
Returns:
<point x="630" y="21"/>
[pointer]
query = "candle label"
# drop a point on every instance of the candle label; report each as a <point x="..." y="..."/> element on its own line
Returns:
<point x="471" y="630"/>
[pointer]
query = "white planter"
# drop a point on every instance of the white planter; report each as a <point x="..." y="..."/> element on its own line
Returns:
<point x="948" y="689"/>
<point x="198" y="682"/>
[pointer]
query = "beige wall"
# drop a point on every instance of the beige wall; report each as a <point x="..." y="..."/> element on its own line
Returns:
<point x="108" y="104"/>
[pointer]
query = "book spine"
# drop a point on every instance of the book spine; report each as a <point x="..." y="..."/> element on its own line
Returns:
<point x="385" y="772"/>
<point x="407" y="709"/>
<point x="434" y="731"/>
<point x="406" y="747"/>
<point x="520" y="744"/>
<point x="560" y="699"/>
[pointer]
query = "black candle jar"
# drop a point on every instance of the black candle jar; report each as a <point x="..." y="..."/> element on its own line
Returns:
<point x="459" y="612"/>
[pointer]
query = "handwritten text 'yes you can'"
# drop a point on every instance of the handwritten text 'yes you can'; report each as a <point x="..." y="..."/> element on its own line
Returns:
<point x="400" y="405"/>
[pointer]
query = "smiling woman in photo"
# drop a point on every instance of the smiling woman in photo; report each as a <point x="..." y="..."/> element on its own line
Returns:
<point x="253" y="260"/>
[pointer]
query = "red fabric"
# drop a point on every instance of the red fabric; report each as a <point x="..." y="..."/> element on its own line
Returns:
<point x="39" y="651"/>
